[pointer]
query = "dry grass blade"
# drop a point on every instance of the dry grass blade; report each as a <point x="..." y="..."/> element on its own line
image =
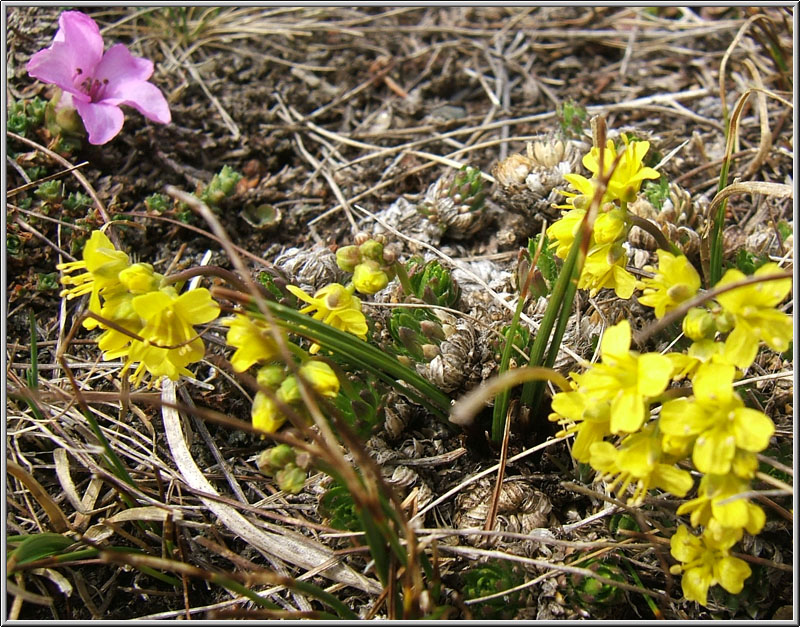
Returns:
<point x="465" y="409"/>
<point x="765" y="142"/>
<point x="295" y="549"/>
<point x="776" y="190"/>
<point x="58" y="521"/>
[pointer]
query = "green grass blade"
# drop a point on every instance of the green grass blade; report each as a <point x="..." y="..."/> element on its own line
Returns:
<point x="556" y="304"/>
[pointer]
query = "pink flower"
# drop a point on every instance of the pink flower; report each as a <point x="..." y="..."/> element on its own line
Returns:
<point x="98" y="83"/>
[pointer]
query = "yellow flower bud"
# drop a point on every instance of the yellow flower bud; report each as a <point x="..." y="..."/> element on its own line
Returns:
<point x="139" y="278"/>
<point x="271" y="376"/>
<point x="699" y="324"/>
<point x="348" y="257"/>
<point x="372" y="249"/>
<point x="291" y="479"/>
<point x="321" y="377"/>
<point x="274" y="458"/>
<point x="281" y="455"/>
<point x="289" y="392"/>
<point x="725" y="321"/>
<point x="265" y="414"/>
<point x="368" y="279"/>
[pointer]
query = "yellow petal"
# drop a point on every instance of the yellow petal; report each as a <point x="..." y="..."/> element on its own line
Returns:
<point x="695" y="583"/>
<point x="300" y="294"/>
<point x="741" y="345"/>
<point x="752" y="429"/>
<point x="731" y="573"/>
<point x="627" y="412"/>
<point x="196" y="306"/>
<point x="654" y="372"/>
<point x="682" y="417"/>
<point x="588" y="434"/>
<point x="712" y="384"/>
<point x="616" y="340"/>
<point x="148" y="305"/>
<point x="713" y="451"/>
<point x="684" y="546"/>
<point x="673" y="480"/>
<point x="603" y="456"/>
<point x="624" y="282"/>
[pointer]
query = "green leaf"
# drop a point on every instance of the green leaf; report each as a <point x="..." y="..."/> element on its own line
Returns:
<point x="785" y="229"/>
<point x="656" y="192"/>
<point x="40" y="546"/>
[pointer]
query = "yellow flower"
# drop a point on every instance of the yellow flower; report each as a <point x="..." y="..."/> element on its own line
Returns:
<point x="118" y="309"/>
<point x="707" y="562"/>
<point x="253" y="340"/>
<point x="713" y="503"/>
<point x="610" y="226"/>
<point x="591" y="420"/>
<point x="717" y="416"/>
<point x="605" y="268"/>
<point x="562" y="232"/>
<point x="606" y="259"/>
<point x="169" y="318"/>
<point x="755" y="316"/>
<point x="700" y="352"/>
<point x="170" y="342"/>
<point x="625" y="378"/>
<point x="103" y="264"/>
<point x="629" y="173"/>
<point x="586" y="189"/>
<point x="160" y="362"/>
<point x="674" y="282"/>
<point x="335" y="305"/>
<point x="638" y="462"/>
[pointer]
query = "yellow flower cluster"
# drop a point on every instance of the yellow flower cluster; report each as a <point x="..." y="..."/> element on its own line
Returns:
<point x="712" y="427"/>
<point x="278" y="388"/>
<point x="371" y="266"/>
<point x="149" y="324"/>
<point x="747" y="314"/>
<point x="255" y="343"/>
<point x="613" y="396"/>
<point x="606" y="258"/>
<point x="706" y="561"/>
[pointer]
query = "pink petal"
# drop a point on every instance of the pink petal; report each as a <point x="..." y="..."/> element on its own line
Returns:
<point x="102" y="121"/>
<point x="145" y="97"/>
<point x="54" y="65"/>
<point x="118" y="64"/>
<point x="81" y="41"/>
<point x="77" y="45"/>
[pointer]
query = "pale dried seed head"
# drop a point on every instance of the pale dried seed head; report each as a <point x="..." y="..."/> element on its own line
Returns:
<point x="547" y="153"/>
<point x="512" y="170"/>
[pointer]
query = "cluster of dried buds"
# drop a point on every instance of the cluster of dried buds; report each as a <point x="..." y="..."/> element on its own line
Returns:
<point x="530" y="184"/>
<point x="680" y="219"/>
